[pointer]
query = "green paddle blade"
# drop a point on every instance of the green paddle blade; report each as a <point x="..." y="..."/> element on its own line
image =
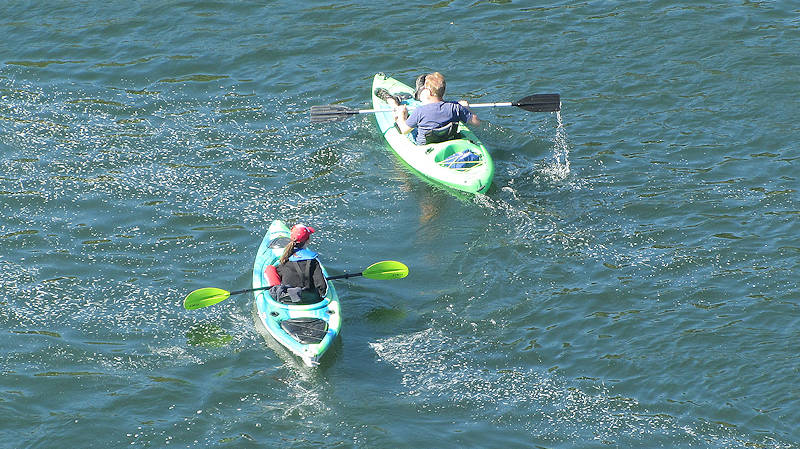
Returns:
<point x="205" y="297"/>
<point x="388" y="269"/>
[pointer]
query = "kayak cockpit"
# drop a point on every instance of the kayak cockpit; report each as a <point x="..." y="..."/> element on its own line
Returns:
<point x="458" y="155"/>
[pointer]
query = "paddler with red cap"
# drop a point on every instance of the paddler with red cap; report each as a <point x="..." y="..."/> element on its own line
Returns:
<point x="299" y="276"/>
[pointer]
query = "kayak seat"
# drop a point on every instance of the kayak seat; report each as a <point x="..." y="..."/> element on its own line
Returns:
<point x="442" y="134"/>
<point x="306" y="298"/>
<point x="306" y="330"/>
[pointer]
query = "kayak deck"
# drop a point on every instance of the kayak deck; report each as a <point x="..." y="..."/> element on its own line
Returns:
<point x="431" y="160"/>
<point x="306" y="330"/>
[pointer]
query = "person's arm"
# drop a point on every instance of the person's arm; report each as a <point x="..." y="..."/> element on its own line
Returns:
<point x="401" y="114"/>
<point x="319" y="280"/>
<point x="473" y="119"/>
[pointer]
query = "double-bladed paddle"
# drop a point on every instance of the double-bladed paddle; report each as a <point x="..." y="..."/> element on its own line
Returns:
<point x="533" y="103"/>
<point x="204" y="297"/>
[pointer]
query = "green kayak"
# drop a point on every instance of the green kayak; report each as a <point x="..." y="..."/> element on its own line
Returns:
<point x="439" y="161"/>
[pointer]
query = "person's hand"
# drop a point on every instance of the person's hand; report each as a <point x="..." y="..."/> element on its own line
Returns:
<point x="401" y="112"/>
<point x="473" y="119"/>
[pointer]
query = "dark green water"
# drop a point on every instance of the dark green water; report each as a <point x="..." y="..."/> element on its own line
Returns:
<point x="628" y="281"/>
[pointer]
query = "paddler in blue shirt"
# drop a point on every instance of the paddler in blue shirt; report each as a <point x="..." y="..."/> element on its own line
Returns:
<point x="434" y="114"/>
<point x="298" y="277"/>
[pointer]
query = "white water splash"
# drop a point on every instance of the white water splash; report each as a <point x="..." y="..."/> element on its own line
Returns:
<point x="558" y="169"/>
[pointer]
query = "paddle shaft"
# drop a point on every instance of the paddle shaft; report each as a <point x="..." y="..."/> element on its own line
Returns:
<point x="471" y="105"/>
<point x="344" y="276"/>
<point x="491" y="105"/>
<point x="247" y="290"/>
<point x="532" y="103"/>
<point x="203" y="297"/>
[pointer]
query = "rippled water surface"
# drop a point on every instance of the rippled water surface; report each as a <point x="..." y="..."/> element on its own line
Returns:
<point x="626" y="282"/>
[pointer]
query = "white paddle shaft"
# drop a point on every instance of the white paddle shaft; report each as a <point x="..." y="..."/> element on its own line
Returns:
<point x="476" y="105"/>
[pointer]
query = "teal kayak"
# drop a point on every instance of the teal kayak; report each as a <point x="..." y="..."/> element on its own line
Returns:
<point x="434" y="161"/>
<point x="307" y="330"/>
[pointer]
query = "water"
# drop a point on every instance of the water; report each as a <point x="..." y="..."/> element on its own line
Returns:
<point x="626" y="282"/>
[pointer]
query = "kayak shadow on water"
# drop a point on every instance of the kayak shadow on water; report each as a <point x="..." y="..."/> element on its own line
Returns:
<point x="383" y="315"/>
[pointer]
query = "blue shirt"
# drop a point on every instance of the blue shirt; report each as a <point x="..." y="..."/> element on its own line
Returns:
<point x="435" y="115"/>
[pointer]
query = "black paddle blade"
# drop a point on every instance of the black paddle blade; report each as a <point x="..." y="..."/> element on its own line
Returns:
<point x="331" y="113"/>
<point x="540" y="103"/>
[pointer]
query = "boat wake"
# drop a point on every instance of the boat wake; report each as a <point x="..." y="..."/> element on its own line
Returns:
<point x="442" y="373"/>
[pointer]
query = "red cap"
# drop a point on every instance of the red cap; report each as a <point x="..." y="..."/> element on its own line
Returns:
<point x="301" y="232"/>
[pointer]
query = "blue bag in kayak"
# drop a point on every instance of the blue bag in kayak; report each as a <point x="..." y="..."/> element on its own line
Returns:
<point x="462" y="159"/>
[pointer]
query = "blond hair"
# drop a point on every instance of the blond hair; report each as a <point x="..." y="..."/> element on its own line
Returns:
<point x="435" y="84"/>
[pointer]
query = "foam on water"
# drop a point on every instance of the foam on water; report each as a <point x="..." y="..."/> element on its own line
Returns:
<point x="532" y="198"/>
<point x="440" y="372"/>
